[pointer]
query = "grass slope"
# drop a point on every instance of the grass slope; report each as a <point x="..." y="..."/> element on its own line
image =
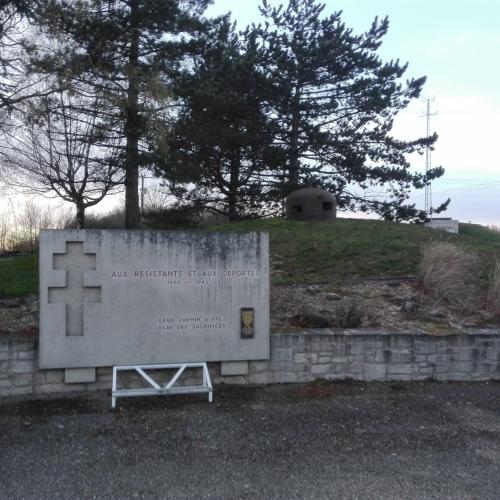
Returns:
<point x="18" y="276"/>
<point x="305" y="252"/>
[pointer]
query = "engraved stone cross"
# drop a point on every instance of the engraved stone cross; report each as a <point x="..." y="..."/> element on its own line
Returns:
<point x="74" y="294"/>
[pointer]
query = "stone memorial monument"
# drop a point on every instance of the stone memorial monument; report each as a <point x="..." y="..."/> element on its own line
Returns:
<point x="113" y="297"/>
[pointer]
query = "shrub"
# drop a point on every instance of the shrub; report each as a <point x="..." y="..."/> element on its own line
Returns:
<point x="448" y="274"/>
<point x="307" y="318"/>
<point x="348" y="314"/>
<point x="176" y="216"/>
<point x="114" y="219"/>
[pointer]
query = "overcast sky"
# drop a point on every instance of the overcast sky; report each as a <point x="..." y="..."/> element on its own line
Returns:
<point x="456" y="44"/>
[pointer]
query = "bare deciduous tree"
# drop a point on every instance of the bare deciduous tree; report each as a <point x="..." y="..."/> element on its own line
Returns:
<point x="156" y="200"/>
<point x="4" y="230"/>
<point x="28" y="221"/>
<point x="22" y="219"/>
<point x="64" y="149"/>
<point x="17" y="33"/>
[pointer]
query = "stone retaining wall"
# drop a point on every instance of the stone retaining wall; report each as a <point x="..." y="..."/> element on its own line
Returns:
<point x="300" y="357"/>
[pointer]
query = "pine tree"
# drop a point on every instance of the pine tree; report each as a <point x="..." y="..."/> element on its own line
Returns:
<point x="334" y="105"/>
<point x="221" y="143"/>
<point x="129" y="50"/>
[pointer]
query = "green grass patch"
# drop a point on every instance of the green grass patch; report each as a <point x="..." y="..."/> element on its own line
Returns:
<point x="318" y="252"/>
<point x="18" y="276"/>
<point x="480" y="238"/>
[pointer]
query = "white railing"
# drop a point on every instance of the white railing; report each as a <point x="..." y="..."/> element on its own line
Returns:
<point x="157" y="389"/>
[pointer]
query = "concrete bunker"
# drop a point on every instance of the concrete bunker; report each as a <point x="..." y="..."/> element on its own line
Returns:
<point x="311" y="204"/>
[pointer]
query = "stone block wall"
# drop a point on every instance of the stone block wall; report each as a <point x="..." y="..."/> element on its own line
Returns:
<point x="20" y="374"/>
<point x="299" y="357"/>
<point x="379" y="355"/>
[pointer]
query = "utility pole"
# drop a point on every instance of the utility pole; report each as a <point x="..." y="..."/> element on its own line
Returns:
<point x="428" y="162"/>
<point x="143" y="190"/>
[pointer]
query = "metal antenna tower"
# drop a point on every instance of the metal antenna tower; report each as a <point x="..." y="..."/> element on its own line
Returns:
<point x="428" y="162"/>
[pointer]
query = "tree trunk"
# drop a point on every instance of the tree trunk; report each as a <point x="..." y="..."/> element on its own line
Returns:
<point x="132" y="125"/>
<point x="232" y="212"/>
<point x="232" y="197"/>
<point x="293" y="161"/>
<point x="80" y="215"/>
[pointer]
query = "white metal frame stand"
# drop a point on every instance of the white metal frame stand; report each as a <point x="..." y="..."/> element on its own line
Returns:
<point x="157" y="389"/>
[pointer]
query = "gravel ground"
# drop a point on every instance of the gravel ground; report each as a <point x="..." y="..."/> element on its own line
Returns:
<point x="369" y="303"/>
<point x="322" y="440"/>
